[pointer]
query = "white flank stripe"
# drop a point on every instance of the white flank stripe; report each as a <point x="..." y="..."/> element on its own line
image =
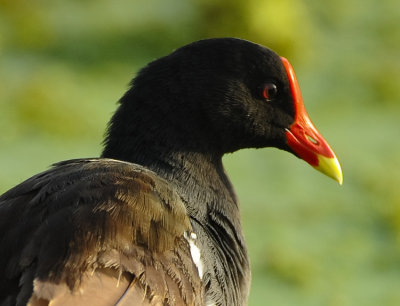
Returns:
<point x="195" y="252"/>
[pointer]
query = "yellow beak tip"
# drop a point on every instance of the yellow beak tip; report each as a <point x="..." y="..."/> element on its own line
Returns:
<point x="330" y="167"/>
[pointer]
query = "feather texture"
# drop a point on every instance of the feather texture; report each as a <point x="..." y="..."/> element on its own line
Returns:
<point x="97" y="227"/>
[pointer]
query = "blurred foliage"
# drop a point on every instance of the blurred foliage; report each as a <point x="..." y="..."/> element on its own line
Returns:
<point x="64" y="64"/>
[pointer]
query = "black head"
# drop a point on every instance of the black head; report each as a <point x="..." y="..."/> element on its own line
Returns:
<point x="243" y="91"/>
<point x="215" y="95"/>
<point x="223" y="94"/>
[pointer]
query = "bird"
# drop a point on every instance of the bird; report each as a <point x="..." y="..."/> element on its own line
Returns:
<point x="154" y="220"/>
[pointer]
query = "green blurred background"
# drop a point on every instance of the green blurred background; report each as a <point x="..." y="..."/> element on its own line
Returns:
<point x="64" y="64"/>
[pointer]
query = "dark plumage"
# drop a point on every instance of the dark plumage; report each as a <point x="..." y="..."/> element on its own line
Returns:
<point x="155" y="220"/>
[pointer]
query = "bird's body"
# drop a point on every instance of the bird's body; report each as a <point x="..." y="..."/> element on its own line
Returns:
<point x="102" y="218"/>
<point x="155" y="220"/>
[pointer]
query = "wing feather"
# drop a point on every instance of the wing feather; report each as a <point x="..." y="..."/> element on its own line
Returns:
<point x="96" y="229"/>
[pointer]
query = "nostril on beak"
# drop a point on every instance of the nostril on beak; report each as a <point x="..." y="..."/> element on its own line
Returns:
<point x="312" y="139"/>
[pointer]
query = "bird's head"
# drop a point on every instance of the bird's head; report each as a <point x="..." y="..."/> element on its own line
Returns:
<point x="227" y="94"/>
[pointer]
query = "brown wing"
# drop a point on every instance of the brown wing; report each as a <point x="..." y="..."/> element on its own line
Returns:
<point x="96" y="232"/>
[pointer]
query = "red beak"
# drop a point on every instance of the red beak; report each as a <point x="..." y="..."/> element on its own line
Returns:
<point x="304" y="139"/>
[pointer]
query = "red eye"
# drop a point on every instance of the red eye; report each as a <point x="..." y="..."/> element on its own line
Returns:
<point x="270" y="91"/>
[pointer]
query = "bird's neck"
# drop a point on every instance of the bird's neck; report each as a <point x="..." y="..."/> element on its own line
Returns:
<point x="209" y="197"/>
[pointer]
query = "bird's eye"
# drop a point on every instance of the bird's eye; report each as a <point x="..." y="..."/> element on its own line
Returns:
<point x="269" y="91"/>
